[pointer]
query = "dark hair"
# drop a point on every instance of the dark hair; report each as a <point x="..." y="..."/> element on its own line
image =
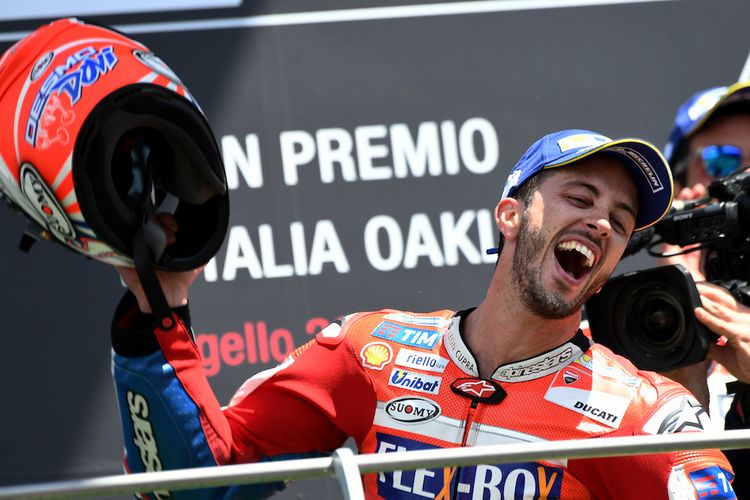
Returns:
<point x="680" y="159"/>
<point x="523" y="194"/>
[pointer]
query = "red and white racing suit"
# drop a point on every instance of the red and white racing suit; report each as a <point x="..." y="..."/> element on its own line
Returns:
<point x="398" y="381"/>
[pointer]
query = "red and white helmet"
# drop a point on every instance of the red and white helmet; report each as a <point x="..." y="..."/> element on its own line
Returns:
<point x="97" y="135"/>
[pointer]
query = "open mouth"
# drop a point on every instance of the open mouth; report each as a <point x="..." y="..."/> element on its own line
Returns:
<point x="574" y="258"/>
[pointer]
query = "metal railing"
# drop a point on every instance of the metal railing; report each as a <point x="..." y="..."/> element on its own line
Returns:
<point x="347" y="467"/>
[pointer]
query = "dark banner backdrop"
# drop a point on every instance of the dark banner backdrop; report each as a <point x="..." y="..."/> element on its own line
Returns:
<point x="364" y="159"/>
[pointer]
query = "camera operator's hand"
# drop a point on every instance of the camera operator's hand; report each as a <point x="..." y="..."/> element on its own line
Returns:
<point x="724" y="316"/>
<point x="175" y="285"/>
<point x="692" y="260"/>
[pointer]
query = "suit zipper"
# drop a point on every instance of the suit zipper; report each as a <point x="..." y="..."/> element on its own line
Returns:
<point x="467" y="427"/>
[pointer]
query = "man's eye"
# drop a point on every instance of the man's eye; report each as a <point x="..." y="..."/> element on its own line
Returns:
<point x="619" y="226"/>
<point x="579" y="202"/>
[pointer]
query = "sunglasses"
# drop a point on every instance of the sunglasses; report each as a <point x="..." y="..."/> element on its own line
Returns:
<point x="720" y="160"/>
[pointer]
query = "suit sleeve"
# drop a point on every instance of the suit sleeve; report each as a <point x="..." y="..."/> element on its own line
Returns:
<point x="307" y="406"/>
<point x="704" y="474"/>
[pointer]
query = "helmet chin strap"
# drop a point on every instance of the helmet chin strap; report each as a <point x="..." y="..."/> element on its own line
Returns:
<point x="144" y="266"/>
<point x="150" y="240"/>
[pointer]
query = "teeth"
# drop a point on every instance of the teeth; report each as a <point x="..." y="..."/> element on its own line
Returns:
<point x="572" y="245"/>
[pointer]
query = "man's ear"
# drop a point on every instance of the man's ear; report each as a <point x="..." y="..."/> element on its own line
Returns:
<point x="508" y="217"/>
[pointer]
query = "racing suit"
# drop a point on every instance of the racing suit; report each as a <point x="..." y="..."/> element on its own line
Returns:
<point x="397" y="381"/>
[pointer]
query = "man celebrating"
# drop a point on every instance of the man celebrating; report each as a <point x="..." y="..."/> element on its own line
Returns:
<point x="514" y="369"/>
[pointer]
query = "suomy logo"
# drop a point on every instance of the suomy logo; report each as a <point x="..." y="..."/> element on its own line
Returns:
<point x="412" y="410"/>
<point x="152" y="61"/>
<point x="41" y="65"/>
<point x="45" y="203"/>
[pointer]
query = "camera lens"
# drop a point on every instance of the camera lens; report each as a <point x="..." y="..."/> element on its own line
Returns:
<point x="659" y="325"/>
<point x="647" y="316"/>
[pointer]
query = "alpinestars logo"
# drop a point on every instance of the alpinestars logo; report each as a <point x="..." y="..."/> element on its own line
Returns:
<point x="538" y="366"/>
<point x="676" y="415"/>
<point x="479" y="390"/>
<point x="686" y="417"/>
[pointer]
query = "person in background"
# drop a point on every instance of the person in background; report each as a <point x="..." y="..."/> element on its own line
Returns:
<point x="710" y="139"/>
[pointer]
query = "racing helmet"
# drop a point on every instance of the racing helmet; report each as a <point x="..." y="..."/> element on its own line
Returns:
<point x="97" y="136"/>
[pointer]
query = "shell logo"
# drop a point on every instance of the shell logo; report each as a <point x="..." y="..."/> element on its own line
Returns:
<point x="376" y="355"/>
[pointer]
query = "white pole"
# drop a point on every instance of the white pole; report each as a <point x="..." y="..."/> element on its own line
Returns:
<point x="745" y="73"/>
<point x="324" y="467"/>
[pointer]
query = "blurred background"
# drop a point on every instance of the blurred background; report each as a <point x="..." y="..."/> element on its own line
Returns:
<point x="366" y="144"/>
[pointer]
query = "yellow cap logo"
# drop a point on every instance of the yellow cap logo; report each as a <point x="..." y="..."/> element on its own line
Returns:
<point x="579" y="141"/>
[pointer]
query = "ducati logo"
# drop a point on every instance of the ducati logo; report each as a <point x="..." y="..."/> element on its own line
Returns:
<point x="479" y="390"/>
<point x="569" y="376"/>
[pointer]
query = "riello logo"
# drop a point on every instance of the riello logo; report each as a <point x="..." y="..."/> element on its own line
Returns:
<point x="412" y="410"/>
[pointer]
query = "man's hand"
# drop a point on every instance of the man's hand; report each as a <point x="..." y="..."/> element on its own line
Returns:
<point x="174" y="285"/>
<point x="726" y="317"/>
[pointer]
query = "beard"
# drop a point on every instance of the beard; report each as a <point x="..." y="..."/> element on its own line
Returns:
<point x="527" y="278"/>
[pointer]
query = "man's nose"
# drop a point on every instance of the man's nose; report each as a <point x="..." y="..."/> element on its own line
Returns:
<point x="600" y="226"/>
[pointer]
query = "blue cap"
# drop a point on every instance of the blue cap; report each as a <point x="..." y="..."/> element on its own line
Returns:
<point x="695" y="111"/>
<point x="648" y="168"/>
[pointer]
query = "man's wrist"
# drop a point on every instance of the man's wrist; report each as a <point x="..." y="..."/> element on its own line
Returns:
<point x="133" y="331"/>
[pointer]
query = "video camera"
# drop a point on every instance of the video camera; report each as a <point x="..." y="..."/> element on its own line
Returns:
<point x="647" y="316"/>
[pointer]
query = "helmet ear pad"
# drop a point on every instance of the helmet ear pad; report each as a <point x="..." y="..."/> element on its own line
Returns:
<point x="145" y="149"/>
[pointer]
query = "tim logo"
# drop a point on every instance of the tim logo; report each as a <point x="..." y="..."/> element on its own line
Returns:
<point x="415" y="337"/>
<point x="526" y="480"/>
<point x="89" y="65"/>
